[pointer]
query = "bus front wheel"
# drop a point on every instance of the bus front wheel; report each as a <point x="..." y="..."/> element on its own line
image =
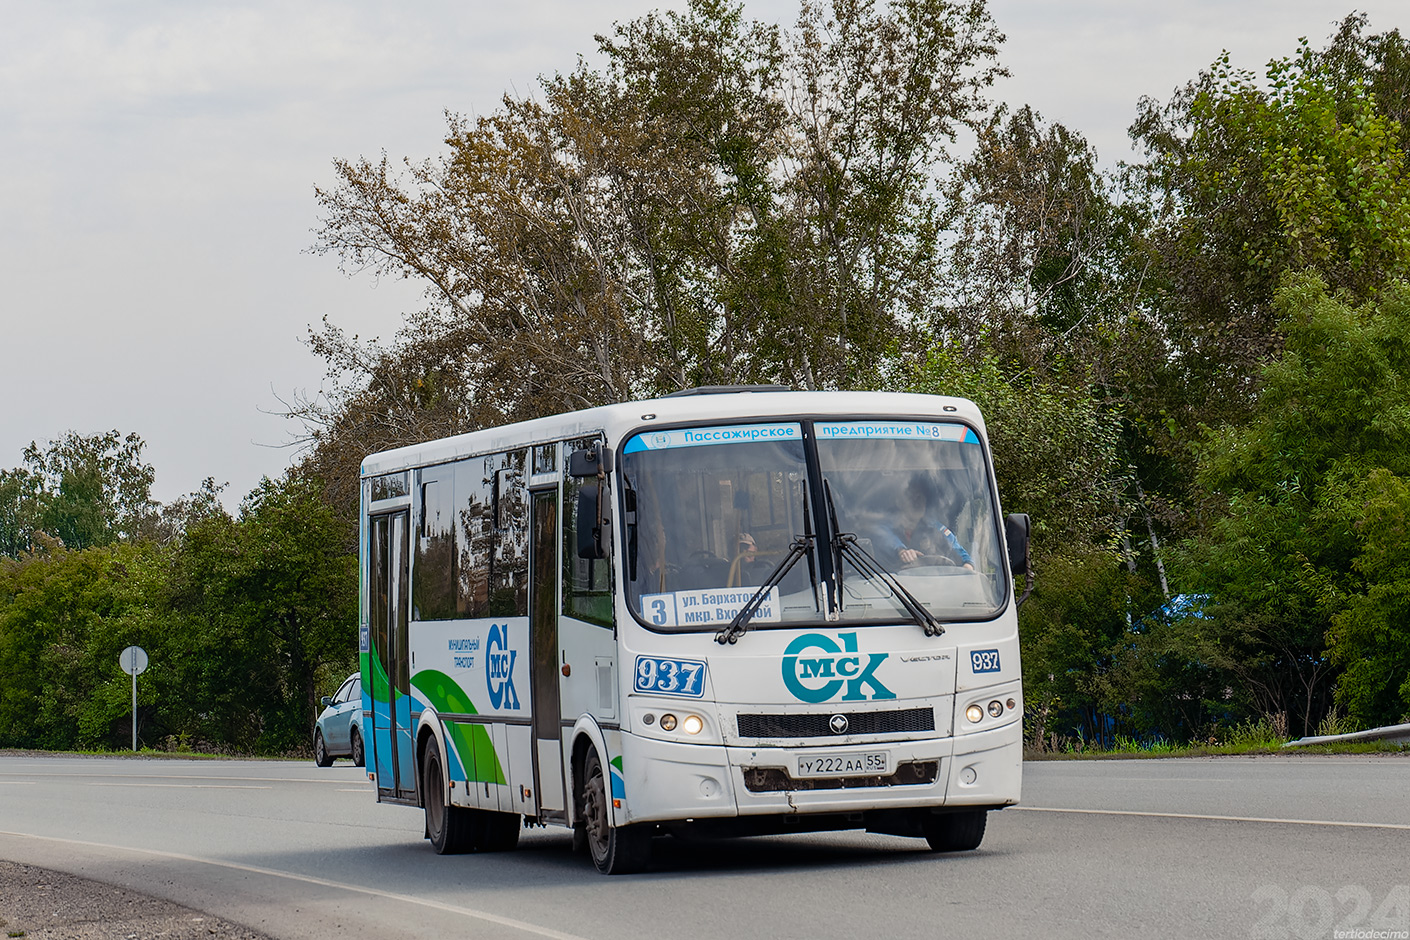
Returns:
<point x="955" y="832"/>
<point x="615" y="850"/>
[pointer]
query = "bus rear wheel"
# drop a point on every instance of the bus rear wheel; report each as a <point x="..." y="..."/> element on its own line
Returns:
<point x="501" y="832"/>
<point x="615" y="850"/>
<point x="451" y="829"/>
<point x="955" y="832"/>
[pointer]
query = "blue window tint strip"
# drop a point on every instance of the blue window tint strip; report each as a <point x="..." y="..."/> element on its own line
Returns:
<point x="895" y="431"/>
<point x="707" y="436"/>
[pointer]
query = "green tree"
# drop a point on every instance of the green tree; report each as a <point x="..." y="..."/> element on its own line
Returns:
<point x="1248" y="181"/>
<point x="266" y="603"/>
<point x="1312" y="485"/>
<point x="722" y="202"/>
<point x="1370" y="635"/>
<point x="86" y="491"/>
<point x="65" y="616"/>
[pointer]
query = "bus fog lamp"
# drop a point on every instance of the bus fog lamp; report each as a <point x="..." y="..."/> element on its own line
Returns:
<point x="668" y="722"/>
<point x="648" y="719"/>
<point x="974" y="713"/>
<point x="692" y="724"/>
<point x="996" y="708"/>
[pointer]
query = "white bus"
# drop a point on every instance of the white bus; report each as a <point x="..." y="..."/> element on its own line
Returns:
<point x="723" y="611"/>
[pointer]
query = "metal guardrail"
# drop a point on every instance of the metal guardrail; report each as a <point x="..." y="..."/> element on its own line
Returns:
<point x="1397" y="734"/>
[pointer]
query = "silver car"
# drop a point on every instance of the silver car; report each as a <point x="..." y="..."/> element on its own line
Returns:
<point x="338" y="732"/>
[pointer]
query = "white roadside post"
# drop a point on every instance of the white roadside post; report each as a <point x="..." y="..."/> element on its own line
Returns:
<point x="134" y="662"/>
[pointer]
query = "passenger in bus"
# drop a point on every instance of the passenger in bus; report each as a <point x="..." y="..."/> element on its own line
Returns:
<point x="913" y="539"/>
<point x="747" y="569"/>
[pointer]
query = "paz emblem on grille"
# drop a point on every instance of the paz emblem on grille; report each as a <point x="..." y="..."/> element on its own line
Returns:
<point x="838" y="724"/>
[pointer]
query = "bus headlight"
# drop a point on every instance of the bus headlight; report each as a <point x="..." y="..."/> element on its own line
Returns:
<point x="974" y="713"/>
<point x="996" y="708"/>
<point x="668" y="722"/>
<point x="692" y="724"/>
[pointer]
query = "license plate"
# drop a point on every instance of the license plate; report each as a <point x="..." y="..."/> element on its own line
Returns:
<point x="859" y="764"/>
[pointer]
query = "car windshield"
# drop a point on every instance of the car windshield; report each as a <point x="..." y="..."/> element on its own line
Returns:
<point x="916" y="497"/>
<point x="713" y="511"/>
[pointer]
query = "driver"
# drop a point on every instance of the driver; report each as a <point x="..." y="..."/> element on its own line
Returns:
<point x="912" y="539"/>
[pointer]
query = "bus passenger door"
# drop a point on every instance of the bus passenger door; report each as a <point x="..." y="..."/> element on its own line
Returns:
<point x="543" y="641"/>
<point x="391" y="694"/>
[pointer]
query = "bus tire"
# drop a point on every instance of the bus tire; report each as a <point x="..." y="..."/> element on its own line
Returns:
<point x="321" y="757"/>
<point x="451" y="829"/>
<point x="955" y="832"/>
<point x="501" y="832"/>
<point x="615" y="850"/>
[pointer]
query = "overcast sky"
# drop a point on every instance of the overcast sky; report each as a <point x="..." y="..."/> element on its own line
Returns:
<point x="158" y="160"/>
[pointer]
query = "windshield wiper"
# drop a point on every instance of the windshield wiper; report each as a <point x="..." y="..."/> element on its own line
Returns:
<point x="802" y="545"/>
<point x="844" y="546"/>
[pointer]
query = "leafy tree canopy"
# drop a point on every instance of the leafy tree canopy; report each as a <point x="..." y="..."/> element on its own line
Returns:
<point x="1305" y="568"/>
<point x="85" y="491"/>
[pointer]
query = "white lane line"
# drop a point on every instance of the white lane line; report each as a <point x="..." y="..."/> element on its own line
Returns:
<point x="185" y="786"/>
<point x="321" y="882"/>
<point x="1258" y="819"/>
<point x="18" y="783"/>
<point x="44" y="773"/>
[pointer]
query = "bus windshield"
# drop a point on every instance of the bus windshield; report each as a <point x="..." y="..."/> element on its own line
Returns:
<point x="916" y="498"/>
<point x="712" y="511"/>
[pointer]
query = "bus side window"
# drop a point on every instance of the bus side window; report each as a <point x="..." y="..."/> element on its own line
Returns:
<point x="433" y="583"/>
<point x="587" y="582"/>
<point x="509" y="567"/>
<point x="474" y="535"/>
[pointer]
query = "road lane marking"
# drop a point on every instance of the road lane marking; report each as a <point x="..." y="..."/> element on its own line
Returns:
<point x="1259" y="819"/>
<point x="19" y="783"/>
<point x="187" y="786"/>
<point x="321" y="882"/>
<point x="52" y="773"/>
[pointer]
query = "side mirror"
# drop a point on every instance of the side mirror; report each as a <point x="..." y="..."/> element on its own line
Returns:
<point x="326" y="701"/>
<point x="1016" y="529"/>
<point x="1016" y="526"/>
<point x="590" y="542"/>
<point x="587" y="463"/>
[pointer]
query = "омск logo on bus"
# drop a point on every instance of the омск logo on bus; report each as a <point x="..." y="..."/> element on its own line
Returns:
<point x="817" y="678"/>
<point x="499" y="668"/>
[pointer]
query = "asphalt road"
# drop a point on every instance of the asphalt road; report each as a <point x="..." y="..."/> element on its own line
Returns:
<point x="1248" y="848"/>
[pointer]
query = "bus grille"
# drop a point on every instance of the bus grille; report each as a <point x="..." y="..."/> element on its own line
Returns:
<point x="816" y="724"/>
<point x="773" y="779"/>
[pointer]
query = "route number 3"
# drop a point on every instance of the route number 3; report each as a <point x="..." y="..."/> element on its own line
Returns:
<point x="1312" y="912"/>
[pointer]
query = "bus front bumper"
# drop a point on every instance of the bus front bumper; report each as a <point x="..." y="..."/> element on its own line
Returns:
<point x="666" y="781"/>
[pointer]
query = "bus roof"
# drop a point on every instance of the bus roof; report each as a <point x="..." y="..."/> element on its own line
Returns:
<point x="616" y="421"/>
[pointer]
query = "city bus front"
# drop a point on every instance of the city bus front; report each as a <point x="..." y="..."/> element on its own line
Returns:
<point x="817" y="618"/>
